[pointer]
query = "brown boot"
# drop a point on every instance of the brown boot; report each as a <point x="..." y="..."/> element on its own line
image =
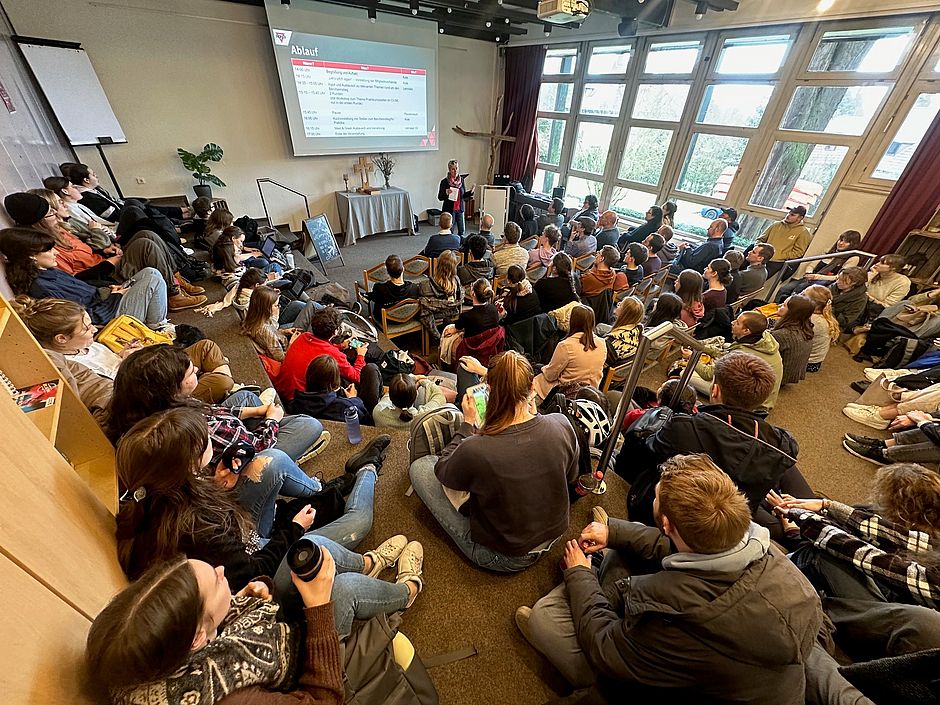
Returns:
<point x="188" y="288"/>
<point x="179" y="301"/>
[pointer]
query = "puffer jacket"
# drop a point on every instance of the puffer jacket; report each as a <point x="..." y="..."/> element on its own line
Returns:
<point x="736" y="627"/>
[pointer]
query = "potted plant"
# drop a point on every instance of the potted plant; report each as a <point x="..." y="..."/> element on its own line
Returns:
<point x="198" y="164"/>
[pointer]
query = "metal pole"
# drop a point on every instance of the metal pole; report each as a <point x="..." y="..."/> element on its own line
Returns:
<point x="263" y="204"/>
<point x="107" y="166"/>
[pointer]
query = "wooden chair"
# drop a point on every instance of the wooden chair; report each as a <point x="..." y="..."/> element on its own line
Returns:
<point x="644" y="288"/>
<point x="584" y="262"/>
<point x="621" y="295"/>
<point x="529" y="243"/>
<point x="615" y="374"/>
<point x="402" y="319"/>
<point x="374" y="275"/>
<point x="417" y="267"/>
<point x="535" y="272"/>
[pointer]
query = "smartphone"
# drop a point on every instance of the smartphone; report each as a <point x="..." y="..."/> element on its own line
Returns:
<point x="480" y="394"/>
<point x="356" y="344"/>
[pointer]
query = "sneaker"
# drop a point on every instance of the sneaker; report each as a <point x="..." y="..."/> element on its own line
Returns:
<point x="860" y="385"/>
<point x="599" y="515"/>
<point x="865" y="440"/>
<point x="344" y="483"/>
<point x="522" y="621"/>
<point x="181" y="301"/>
<point x="867" y="415"/>
<point x="853" y="405"/>
<point x="372" y="454"/>
<point x="872" y="373"/>
<point x="166" y="327"/>
<point x="245" y="388"/>
<point x="318" y="447"/>
<point x="410" y="566"/>
<point x="268" y="396"/>
<point x="387" y="554"/>
<point x="872" y="455"/>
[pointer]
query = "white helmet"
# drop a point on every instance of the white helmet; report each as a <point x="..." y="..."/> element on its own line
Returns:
<point x="593" y="419"/>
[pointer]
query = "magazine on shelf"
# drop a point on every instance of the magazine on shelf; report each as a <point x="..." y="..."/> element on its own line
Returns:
<point x="36" y="396"/>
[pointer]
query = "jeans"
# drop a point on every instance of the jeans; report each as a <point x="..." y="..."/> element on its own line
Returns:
<point x="264" y="265"/>
<point x="912" y="446"/>
<point x="146" y="299"/>
<point x="355" y="596"/>
<point x="304" y="312"/>
<point x="459" y="224"/>
<point x="296" y="433"/>
<point x="280" y="476"/>
<point x="429" y="489"/>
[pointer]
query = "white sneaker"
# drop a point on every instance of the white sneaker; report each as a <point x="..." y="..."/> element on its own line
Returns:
<point x="268" y="396"/>
<point x="867" y="415"/>
<point x="872" y="373"/>
<point x="386" y="555"/>
<point x="318" y="447"/>
<point x="189" y="251"/>
<point x="599" y="514"/>
<point x="410" y="567"/>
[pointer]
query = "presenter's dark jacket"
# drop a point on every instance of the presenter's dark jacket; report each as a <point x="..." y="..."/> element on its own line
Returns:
<point x="447" y="205"/>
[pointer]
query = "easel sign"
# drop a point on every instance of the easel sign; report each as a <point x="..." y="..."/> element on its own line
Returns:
<point x="322" y="242"/>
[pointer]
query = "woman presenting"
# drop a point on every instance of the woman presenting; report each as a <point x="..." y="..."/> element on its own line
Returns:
<point x="452" y="193"/>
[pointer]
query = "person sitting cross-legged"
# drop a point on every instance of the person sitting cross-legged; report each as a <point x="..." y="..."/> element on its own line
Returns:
<point x="700" y="608"/>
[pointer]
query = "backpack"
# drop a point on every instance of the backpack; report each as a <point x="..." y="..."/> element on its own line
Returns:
<point x="900" y="351"/>
<point x="395" y="362"/>
<point x="588" y="420"/>
<point x="432" y="430"/>
<point x="249" y="226"/>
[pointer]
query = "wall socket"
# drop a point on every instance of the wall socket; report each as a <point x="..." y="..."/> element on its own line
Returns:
<point x="141" y="180"/>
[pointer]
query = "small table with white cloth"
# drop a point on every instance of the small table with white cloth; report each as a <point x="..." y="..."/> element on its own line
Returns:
<point x="361" y="215"/>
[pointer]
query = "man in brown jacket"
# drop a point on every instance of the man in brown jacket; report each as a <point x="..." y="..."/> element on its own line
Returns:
<point x="703" y="606"/>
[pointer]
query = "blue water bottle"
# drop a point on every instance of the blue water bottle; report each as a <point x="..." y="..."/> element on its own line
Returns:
<point x="353" y="432"/>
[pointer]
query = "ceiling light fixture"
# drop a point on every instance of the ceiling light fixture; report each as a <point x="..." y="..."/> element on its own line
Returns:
<point x="825" y="5"/>
<point x="507" y="20"/>
<point x="414" y="7"/>
<point x="548" y="30"/>
<point x="488" y="24"/>
<point x="285" y="3"/>
<point x="700" y="9"/>
<point x="440" y="28"/>
<point x="372" y="15"/>
<point x="449" y="10"/>
<point x="498" y="37"/>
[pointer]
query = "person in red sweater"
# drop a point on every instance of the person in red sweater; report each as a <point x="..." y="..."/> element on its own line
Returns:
<point x="308" y="346"/>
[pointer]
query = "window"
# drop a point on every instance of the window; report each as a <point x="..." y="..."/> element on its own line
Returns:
<point x="560" y="62"/>
<point x="734" y="104"/>
<point x="753" y="55"/>
<point x="645" y="155"/>
<point x="908" y="136"/>
<point x="672" y="57"/>
<point x="577" y="188"/>
<point x="839" y="110"/>
<point x="609" y="60"/>
<point x="550" y="136"/>
<point x="545" y="181"/>
<point x="691" y="219"/>
<point x="555" y="97"/>
<point x="631" y="203"/>
<point x="711" y="163"/>
<point x="750" y="228"/>
<point x="660" y="101"/>
<point x="873" y="50"/>
<point x="602" y="99"/>
<point x="797" y="174"/>
<point x="591" y="144"/>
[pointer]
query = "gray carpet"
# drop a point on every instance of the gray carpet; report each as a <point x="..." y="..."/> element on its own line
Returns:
<point x="463" y="606"/>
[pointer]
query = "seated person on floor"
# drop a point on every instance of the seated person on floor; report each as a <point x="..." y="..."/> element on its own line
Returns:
<point x="518" y="298"/>
<point x="229" y="257"/>
<point x="408" y="397"/>
<point x="685" y="404"/>
<point x="886" y="285"/>
<point x="911" y="318"/>
<point x="510" y="252"/>
<point x="443" y="240"/>
<point x="849" y="297"/>
<point x="239" y="296"/>
<point x="102" y="203"/>
<point x="324" y="325"/>
<point x="825" y="326"/>
<point x="793" y="332"/>
<point x="31" y="269"/>
<point x="623" y="338"/>
<point x="607" y="232"/>
<point x="545" y="251"/>
<point x="700" y="605"/>
<point x="654" y="244"/>
<point x="500" y="488"/>
<point x="218" y="220"/>
<point x="697" y="258"/>
<point x="826" y="271"/>
<point x="578" y="359"/>
<point x="634" y="258"/>
<point x="731" y="431"/>
<point x="920" y="444"/>
<point x="582" y="240"/>
<point x="876" y="565"/>
<point x="81" y="221"/>
<point x="161" y="460"/>
<point x="558" y="288"/>
<point x="163" y="630"/>
<point x="688" y="287"/>
<point x="893" y="414"/>
<point x="324" y="398"/>
<point x="750" y="334"/>
<point x="271" y="329"/>
<point x="602" y="275"/>
<point x="478" y="264"/>
<point x="389" y="293"/>
<point x="202" y="208"/>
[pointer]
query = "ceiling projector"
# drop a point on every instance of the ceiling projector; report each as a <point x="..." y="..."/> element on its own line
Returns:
<point x="563" y="11"/>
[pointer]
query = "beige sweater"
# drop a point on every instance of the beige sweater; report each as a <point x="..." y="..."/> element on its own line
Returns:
<point x="570" y="363"/>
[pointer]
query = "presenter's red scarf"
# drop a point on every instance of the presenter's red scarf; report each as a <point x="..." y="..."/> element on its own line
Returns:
<point x="457" y="184"/>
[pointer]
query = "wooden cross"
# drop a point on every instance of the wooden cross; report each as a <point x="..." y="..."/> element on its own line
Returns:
<point x="494" y="137"/>
<point x="363" y="168"/>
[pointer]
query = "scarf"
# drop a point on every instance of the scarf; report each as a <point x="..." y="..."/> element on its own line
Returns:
<point x="457" y="184"/>
<point x="252" y="649"/>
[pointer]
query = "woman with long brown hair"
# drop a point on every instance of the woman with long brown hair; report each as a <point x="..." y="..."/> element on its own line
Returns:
<point x="440" y="295"/>
<point x="519" y="300"/>
<point x="507" y="471"/>
<point x="688" y="287"/>
<point x="794" y="332"/>
<point x="577" y="360"/>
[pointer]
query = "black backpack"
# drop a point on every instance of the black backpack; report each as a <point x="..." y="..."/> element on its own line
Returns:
<point x="249" y="226"/>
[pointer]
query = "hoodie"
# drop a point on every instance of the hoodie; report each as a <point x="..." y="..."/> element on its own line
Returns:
<point x="595" y="281"/>
<point x="764" y="346"/>
<point x="668" y="253"/>
<point x="734" y="627"/>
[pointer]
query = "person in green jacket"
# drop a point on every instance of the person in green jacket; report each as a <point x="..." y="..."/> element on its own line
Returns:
<point x="789" y="237"/>
<point x="408" y="397"/>
<point x="750" y="334"/>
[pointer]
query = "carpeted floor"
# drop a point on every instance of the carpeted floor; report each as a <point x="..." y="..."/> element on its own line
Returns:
<point x="465" y="607"/>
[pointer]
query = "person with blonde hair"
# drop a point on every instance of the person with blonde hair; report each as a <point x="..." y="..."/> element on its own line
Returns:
<point x="624" y="336"/>
<point x="692" y="609"/>
<point x="826" y="329"/>
<point x="452" y="192"/>
<point x="578" y="359"/>
<point x="500" y="487"/>
<point x="440" y="295"/>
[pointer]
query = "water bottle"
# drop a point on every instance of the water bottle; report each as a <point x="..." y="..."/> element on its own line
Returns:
<point x="290" y="259"/>
<point x="353" y="432"/>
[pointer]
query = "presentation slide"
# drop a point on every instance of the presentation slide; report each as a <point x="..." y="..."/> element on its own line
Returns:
<point x="348" y="96"/>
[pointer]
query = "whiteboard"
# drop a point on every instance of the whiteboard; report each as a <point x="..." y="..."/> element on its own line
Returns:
<point x="494" y="201"/>
<point x="74" y="92"/>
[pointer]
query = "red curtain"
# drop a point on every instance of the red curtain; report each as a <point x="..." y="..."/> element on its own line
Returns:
<point x="913" y="200"/>
<point x="521" y="98"/>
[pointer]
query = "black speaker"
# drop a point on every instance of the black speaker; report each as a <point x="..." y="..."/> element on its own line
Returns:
<point x="501" y="180"/>
<point x="558" y="192"/>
